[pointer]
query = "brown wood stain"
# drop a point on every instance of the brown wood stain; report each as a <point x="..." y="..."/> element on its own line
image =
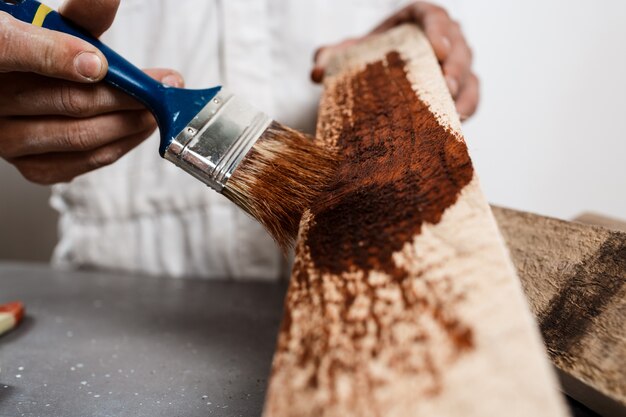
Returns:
<point x="402" y="168"/>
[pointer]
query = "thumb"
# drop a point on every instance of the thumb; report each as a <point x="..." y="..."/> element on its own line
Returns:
<point x="28" y="48"/>
<point x="95" y="16"/>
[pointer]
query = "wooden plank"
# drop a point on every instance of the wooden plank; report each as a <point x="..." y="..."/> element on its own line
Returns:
<point x="574" y="276"/>
<point x="403" y="301"/>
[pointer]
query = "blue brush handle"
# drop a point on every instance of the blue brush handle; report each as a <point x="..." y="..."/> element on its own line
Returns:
<point x="173" y="108"/>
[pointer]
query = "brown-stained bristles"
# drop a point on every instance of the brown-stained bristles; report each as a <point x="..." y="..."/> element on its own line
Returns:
<point x="279" y="178"/>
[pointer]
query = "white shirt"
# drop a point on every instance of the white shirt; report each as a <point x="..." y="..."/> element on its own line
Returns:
<point x="143" y="214"/>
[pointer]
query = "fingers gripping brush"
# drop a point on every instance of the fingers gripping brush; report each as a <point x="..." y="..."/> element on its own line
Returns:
<point x="270" y="171"/>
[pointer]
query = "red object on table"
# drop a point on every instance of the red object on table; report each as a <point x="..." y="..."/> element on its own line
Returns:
<point x="10" y="315"/>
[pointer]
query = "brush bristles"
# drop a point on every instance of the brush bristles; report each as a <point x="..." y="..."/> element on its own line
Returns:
<point x="280" y="178"/>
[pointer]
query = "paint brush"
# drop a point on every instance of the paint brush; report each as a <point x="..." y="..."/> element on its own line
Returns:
<point x="270" y="171"/>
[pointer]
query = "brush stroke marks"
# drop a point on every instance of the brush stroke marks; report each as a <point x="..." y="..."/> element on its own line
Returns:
<point x="593" y="286"/>
<point x="401" y="169"/>
<point x="355" y="318"/>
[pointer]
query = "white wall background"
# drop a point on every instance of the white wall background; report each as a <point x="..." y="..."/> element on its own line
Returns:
<point x="549" y="136"/>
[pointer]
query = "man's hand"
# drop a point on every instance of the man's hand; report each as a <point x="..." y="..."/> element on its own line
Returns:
<point x="448" y="42"/>
<point x="56" y="120"/>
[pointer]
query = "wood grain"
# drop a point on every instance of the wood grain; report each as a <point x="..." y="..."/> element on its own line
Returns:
<point x="574" y="277"/>
<point x="403" y="300"/>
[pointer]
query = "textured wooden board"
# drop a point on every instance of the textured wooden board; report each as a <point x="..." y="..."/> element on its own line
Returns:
<point x="574" y="276"/>
<point x="403" y="300"/>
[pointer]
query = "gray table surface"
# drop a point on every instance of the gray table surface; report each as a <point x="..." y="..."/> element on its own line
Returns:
<point x="114" y="345"/>
<point x="102" y="344"/>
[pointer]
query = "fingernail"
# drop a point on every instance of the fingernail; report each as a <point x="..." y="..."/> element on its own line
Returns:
<point x="172" y="80"/>
<point x="453" y="86"/>
<point x="89" y="65"/>
<point x="317" y="75"/>
<point x="463" y="117"/>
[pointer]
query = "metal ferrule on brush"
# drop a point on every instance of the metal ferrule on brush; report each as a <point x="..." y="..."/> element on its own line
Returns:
<point x="215" y="142"/>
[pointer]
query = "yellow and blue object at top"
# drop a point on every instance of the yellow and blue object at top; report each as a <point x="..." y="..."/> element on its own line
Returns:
<point x="173" y="108"/>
